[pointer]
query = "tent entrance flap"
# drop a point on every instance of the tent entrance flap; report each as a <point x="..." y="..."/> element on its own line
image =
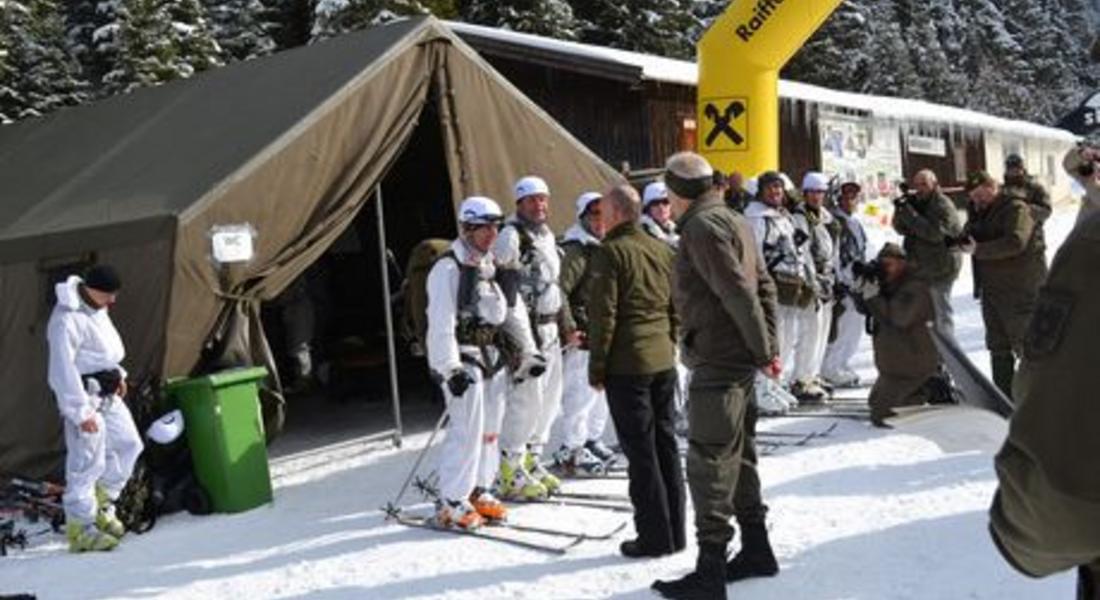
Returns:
<point x="332" y="320"/>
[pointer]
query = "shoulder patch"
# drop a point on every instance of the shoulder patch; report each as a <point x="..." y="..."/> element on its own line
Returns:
<point x="1048" y="323"/>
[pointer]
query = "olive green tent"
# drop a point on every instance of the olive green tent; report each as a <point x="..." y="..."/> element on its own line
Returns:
<point x="294" y="145"/>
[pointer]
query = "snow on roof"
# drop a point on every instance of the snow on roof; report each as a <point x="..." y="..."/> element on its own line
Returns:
<point x="668" y="70"/>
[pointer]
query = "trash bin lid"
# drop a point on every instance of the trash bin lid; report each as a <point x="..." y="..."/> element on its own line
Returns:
<point x="220" y="379"/>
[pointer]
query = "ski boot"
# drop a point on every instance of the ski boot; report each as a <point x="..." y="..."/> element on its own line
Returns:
<point x="86" y="537"/>
<point x="486" y="505"/>
<point x="538" y="471"/>
<point x="772" y="399"/>
<point x="600" y="450"/>
<point x="458" y="514"/>
<point x="517" y="483"/>
<point x="707" y="582"/>
<point x="808" y="393"/>
<point x="843" y="379"/>
<point x="106" y="519"/>
<point x="578" y="462"/>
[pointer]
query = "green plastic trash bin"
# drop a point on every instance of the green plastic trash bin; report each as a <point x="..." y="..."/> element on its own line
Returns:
<point x="225" y="431"/>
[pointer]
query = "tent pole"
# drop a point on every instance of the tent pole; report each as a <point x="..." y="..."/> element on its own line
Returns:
<point x="395" y="391"/>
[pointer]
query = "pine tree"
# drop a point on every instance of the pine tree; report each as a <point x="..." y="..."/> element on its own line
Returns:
<point x="38" y="75"/>
<point x="196" y="49"/>
<point x="551" y="18"/>
<point x="928" y="21"/>
<point x="661" y="27"/>
<point x="6" y="90"/>
<point x="837" y="53"/>
<point x="242" y="28"/>
<point x="333" y="17"/>
<point x="890" y="70"/>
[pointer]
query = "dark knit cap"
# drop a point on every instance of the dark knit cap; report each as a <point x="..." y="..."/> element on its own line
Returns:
<point x="767" y="178"/>
<point x="103" y="278"/>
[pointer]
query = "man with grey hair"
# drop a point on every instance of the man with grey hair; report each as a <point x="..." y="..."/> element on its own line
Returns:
<point x="727" y="302"/>
<point x="631" y="338"/>
<point x="927" y="219"/>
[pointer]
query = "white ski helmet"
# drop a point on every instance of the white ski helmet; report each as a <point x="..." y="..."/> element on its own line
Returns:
<point x="479" y="210"/>
<point x="166" y="429"/>
<point x="586" y="200"/>
<point x="752" y="187"/>
<point x="654" y="192"/>
<point x="815" y="182"/>
<point x="530" y="186"/>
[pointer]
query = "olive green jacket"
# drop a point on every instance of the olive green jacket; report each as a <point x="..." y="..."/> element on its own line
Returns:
<point x="723" y="293"/>
<point x="1046" y="514"/>
<point x="575" y="281"/>
<point x="1010" y="258"/>
<point x="905" y="355"/>
<point x="631" y="324"/>
<point x="926" y="223"/>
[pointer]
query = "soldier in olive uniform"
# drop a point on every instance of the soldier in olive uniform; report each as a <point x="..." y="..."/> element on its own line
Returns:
<point x="584" y="410"/>
<point x="1045" y="516"/>
<point x="926" y="219"/>
<point x="1009" y="266"/>
<point x="1018" y="184"/>
<point x="728" y="304"/>
<point x="900" y="309"/>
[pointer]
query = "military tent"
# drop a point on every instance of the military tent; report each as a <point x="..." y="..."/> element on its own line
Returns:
<point x="293" y="145"/>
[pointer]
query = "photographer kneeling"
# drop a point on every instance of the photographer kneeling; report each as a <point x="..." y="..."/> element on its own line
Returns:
<point x="898" y="307"/>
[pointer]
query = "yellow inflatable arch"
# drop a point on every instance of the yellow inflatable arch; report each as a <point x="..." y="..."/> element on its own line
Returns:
<point x="739" y="61"/>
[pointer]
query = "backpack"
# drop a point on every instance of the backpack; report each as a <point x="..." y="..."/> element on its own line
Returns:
<point x="414" y="321"/>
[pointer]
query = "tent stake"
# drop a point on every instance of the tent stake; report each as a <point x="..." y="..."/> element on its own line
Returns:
<point x="395" y="391"/>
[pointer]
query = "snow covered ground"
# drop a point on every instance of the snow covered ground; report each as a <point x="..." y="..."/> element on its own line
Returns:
<point x="860" y="514"/>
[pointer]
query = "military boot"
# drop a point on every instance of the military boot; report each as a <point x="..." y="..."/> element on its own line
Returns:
<point x="1004" y="371"/>
<point x="756" y="558"/>
<point x="707" y="582"/>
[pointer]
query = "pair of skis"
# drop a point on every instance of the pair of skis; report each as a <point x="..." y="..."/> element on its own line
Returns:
<point x="494" y="530"/>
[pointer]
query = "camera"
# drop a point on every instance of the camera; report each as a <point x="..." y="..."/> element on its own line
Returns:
<point x="869" y="271"/>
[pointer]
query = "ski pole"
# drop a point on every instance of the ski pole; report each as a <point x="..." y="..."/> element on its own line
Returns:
<point x="416" y="466"/>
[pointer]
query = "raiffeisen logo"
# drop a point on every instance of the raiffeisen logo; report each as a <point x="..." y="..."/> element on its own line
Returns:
<point x="760" y="14"/>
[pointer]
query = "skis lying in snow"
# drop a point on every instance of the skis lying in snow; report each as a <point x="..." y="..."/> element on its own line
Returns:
<point x="485" y="533"/>
<point x="582" y="535"/>
<point x="589" y="496"/>
<point x="573" y="502"/>
<point x="785" y="438"/>
<point x="428" y="489"/>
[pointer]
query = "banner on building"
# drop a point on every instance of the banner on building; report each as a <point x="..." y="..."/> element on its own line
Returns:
<point x="858" y="149"/>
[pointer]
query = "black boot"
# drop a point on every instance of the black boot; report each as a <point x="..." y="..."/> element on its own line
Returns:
<point x="756" y="558"/>
<point x="1004" y="371"/>
<point x="707" y="582"/>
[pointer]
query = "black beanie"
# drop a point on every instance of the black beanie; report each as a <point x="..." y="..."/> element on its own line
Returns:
<point x="103" y="278"/>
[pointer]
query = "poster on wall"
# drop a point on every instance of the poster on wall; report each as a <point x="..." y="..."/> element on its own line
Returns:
<point x="857" y="149"/>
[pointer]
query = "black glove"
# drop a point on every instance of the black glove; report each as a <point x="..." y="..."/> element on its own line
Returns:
<point x="459" y="382"/>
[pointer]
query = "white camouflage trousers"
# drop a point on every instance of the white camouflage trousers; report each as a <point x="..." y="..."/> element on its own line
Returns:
<point x="469" y="455"/>
<point x="106" y="457"/>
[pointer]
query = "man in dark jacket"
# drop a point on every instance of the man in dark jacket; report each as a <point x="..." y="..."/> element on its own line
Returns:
<point x="631" y="340"/>
<point x="905" y="356"/>
<point x="927" y="219"/>
<point x="1045" y="516"/>
<point x="728" y="305"/>
<point x="1009" y="266"/>
<point x="1018" y="184"/>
